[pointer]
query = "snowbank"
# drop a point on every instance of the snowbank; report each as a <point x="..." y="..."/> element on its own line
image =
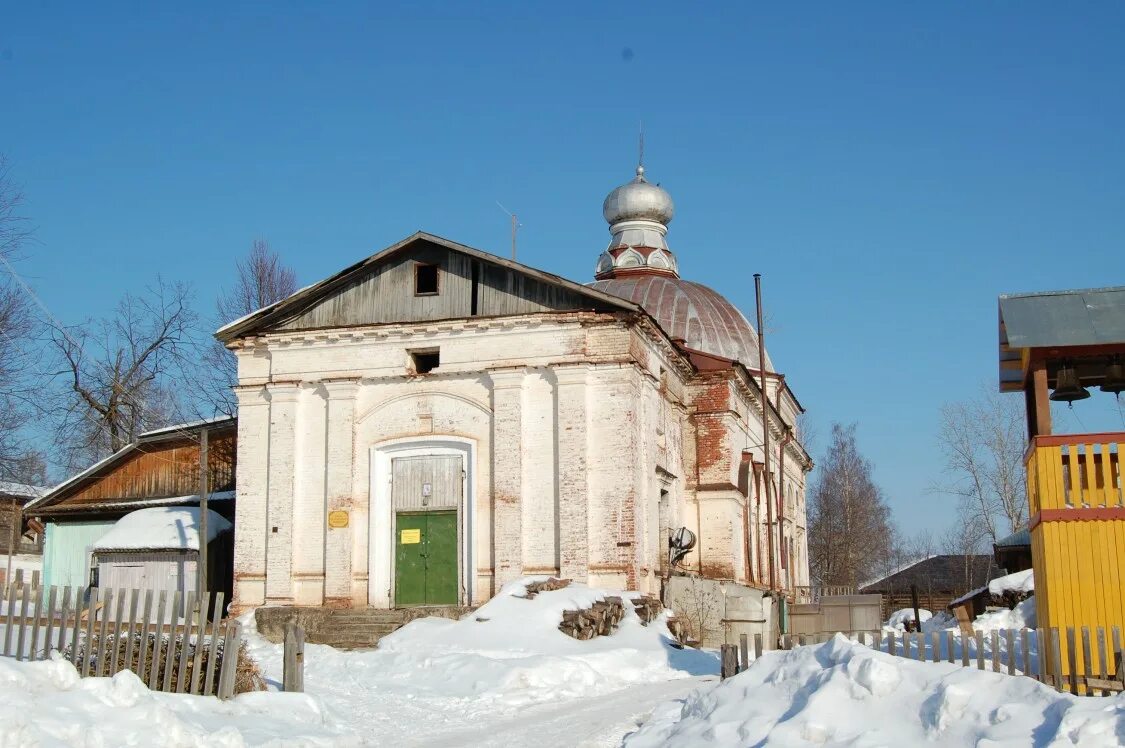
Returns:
<point x="510" y="650"/>
<point x="161" y="528"/>
<point x="899" y="618"/>
<point x="1019" y="617"/>
<point x="1021" y="581"/>
<point x="840" y="693"/>
<point x="47" y="704"/>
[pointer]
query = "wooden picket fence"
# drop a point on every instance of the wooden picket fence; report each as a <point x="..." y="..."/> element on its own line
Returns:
<point x="173" y="648"/>
<point x="1093" y="663"/>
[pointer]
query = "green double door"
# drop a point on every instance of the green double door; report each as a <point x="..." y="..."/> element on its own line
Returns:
<point x="426" y="558"/>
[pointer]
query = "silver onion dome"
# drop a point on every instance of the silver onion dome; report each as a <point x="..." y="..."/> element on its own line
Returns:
<point x="638" y="201"/>
<point x="638" y="214"/>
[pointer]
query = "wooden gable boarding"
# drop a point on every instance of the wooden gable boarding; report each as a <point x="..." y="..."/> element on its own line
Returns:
<point x="382" y="290"/>
<point x="158" y="466"/>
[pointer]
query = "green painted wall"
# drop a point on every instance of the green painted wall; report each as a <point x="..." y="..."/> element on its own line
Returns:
<point x="66" y="551"/>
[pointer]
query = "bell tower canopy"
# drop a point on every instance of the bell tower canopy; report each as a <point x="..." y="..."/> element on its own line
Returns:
<point x="638" y="214"/>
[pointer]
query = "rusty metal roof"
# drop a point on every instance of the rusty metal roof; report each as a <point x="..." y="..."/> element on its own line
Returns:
<point x="691" y="312"/>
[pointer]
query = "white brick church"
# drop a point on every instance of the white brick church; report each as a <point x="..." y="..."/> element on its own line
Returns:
<point x="434" y="421"/>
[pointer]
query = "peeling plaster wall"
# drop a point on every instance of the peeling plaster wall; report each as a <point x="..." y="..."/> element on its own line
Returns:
<point x="579" y="423"/>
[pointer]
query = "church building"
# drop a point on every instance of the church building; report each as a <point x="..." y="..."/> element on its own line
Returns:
<point x="435" y="421"/>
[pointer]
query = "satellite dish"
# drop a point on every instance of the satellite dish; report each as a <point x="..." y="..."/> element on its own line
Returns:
<point x="680" y="544"/>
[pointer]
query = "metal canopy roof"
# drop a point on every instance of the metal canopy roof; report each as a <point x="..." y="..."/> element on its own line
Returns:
<point x="1057" y="319"/>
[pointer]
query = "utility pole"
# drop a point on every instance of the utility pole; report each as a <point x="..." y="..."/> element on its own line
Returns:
<point x="765" y="428"/>
<point x="203" y="476"/>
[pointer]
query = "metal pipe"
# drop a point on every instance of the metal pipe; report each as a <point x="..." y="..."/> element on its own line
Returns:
<point x="765" y="426"/>
<point x="781" y="486"/>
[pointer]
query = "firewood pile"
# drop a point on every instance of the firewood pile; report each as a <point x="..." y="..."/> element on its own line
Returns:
<point x="547" y="585"/>
<point x="600" y="619"/>
<point x="648" y="608"/>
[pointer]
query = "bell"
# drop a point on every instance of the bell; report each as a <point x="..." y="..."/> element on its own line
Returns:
<point x="1114" y="377"/>
<point x="1067" y="387"/>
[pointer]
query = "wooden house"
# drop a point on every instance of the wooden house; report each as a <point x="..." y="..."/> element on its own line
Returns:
<point x="939" y="580"/>
<point x="1013" y="553"/>
<point x="158" y="470"/>
<point x="1066" y="347"/>
<point x="22" y="546"/>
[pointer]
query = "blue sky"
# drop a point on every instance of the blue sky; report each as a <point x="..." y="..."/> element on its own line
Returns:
<point x="889" y="170"/>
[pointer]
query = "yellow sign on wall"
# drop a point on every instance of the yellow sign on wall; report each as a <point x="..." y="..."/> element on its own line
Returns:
<point x="410" y="537"/>
<point x="337" y="519"/>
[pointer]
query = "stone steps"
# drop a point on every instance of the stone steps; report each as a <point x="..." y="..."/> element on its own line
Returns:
<point x="343" y="628"/>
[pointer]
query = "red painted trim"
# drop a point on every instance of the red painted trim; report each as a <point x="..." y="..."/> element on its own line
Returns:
<point x="1058" y="440"/>
<point x="1078" y="514"/>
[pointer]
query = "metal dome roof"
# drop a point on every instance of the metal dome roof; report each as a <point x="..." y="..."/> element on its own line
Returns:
<point x="638" y="200"/>
<point x="692" y="312"/>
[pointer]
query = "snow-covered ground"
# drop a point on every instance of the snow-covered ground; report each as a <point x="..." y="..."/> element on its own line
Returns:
<point x="504" y="675"/>
<point x="47" y="704"/>
<point x="840" y="693"/>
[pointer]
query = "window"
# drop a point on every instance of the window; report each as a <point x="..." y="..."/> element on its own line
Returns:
<point x="425" y="279"/>
<point x="423" y="362"/>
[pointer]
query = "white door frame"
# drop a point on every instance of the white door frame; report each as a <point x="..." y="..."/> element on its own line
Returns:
<point x="380" y="560"/>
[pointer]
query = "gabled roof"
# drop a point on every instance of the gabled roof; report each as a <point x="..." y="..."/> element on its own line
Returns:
<point x="148" y="438"/>
<point x="265" y="317"/>
<point x="944" y="573"/>
<point x="21" y="491"/>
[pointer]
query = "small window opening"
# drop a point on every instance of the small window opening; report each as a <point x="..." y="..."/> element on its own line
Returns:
<point x="426" y="361"/>
<point x="425" y="279"/>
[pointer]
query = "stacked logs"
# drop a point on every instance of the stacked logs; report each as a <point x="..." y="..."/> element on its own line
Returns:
<point x="648" y="608"/>
<point x="600" y="619"/>
<point x="547" y="585"/>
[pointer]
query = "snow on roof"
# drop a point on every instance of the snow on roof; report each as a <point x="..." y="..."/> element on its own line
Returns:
<point x="188" y="426"/>
<point x="1021" y="581"/>
<point x="21" y="490"/>
<point x="161" y="529"/>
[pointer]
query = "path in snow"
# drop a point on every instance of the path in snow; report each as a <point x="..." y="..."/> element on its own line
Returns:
<point x="596" y="722"/>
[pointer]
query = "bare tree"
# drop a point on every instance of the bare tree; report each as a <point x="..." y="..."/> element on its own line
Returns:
<point x="17" y="331"/>
<point x="117" y="374"/>
<point x="983" y="440"/>
<point x="966" y="538"/>
<point x="261" y="279"/>
<point x="851" y="536"/>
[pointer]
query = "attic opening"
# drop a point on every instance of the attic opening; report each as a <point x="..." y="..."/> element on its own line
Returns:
<point x="425" y="279"/>
<point x="424" y="361"/>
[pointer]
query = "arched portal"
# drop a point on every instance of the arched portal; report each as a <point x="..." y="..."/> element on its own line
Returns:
<point x="421" y="524"/>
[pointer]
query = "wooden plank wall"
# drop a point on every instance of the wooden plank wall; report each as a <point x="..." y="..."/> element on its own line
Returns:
<point x="1079" y="562"/>
<point x="159" y="470"/>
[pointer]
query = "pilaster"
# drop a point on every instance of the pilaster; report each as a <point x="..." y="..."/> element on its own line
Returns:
<point x="339" y="489"/>
<point x="573" y="443"/>
<point x="282" y="473"/>
<point x="252" y="483"/>
<point x="507" y="474"/>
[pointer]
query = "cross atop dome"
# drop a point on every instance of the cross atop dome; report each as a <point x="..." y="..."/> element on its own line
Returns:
<point x="638" y="214"/>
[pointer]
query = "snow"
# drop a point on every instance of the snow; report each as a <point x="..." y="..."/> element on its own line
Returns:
<point x="899" y="618"/>
<point x="503" y="675"/>
<point x="841" y="693"/>
<point x="48" y="704"/>
<point x="161" y="528"/>
<point x="21" y="490"/>
<point x="1019" y="617"/>
<point x="1021" y="581"/>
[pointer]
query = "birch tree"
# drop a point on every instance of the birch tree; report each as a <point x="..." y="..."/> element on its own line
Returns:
<point x="260" y="279"/>
<point x="983" y="441"/>
<point x="851" y="536"/>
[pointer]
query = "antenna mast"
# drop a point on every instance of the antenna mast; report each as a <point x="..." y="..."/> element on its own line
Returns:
<point x="515" y="226"/>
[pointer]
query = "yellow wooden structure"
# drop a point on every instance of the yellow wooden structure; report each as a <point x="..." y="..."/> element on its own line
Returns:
<point x="1076" y="495"/>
